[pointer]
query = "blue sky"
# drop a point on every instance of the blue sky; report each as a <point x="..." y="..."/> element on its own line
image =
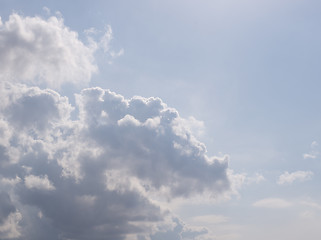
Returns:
<point x="239" y="78"/>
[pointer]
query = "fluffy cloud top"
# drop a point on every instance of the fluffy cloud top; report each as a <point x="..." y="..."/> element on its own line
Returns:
<point x="156" y="148"/>
<point x="46" y="52"/>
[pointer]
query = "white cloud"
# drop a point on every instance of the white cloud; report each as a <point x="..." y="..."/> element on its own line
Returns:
<point x="11" y="181"/>
<point x="114" y="54"/>
<point x="308" y="155"/>
<point x="103" y="42"/>
<point x="313" y="151"/>
<point x="239" y="180"/>
<point x="43" y="51"/>
<point x="314" y="144"/>
<point x="272" y="203"/>
<point x="46" y="10"/>
<point x="106" y="38"/>
<point x="257" y="178"/>
<point x="311" y="204"/>
<point x="10" y="229"/>
<point x="128" y="120"/>
<point x="289" y="178"/>
<point x="38" y="182"/>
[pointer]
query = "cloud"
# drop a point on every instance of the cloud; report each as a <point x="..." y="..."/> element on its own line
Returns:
<point x="10" y="229"/>
<point x="98" y="169"/>
<point x="289" y="178"/>
<point x="9" y="217"/>
<point x="313" y="152"/>
<point x="257" y="178"/>
<point x="155" y="147"/>
<point x="179" y="231"/>
<point x="272" y="203"/>
<point x="102" y="174"/>
<point x="213" y="219"/>
<point x="103" y="42"/>
<point x="308" y="155"/>
<point x="6" y="206"/>
<point x="46" y="10"/>
<point x="311" y="204"/>
<point x="32" y="108"/>
<point x="43" y="51"/>
<point x="239" y="180"/>
<point x="38" y="182"/>
<point x="106" y="38"/>
<point x="47" y="158"/>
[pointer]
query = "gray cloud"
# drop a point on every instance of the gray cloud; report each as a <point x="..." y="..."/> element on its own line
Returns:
<point x="101" y="174"/>
<point x="6" y="206"/>
<point x="32" y="108"/>
<point x="9" y="217"/>
<point x="179" y="232"/>
<point x="93" y="177"/>
<point x="147" y="140"/>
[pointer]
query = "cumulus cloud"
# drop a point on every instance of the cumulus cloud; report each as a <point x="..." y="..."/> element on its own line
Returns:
<point x="45" y="52"/>
<point x="272" y="203"/>
<point x="289" y="178"/>
<point x="94" y="176"/>
<point x="142" y="130"/>
<point x="103" y="173"/>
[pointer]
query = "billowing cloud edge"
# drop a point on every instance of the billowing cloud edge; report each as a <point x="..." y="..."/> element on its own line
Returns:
<point x="135" y="149"/>
<point x="105" y="172"/>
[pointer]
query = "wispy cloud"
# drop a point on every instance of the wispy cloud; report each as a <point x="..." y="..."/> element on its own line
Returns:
<point x="102" y="40"/>
<point x="289" y="178"/>
<point x="272" y="203"/>
<point x="311" y="204"/>
<point x="313" y="153"/>
<point x="205" y="219"/>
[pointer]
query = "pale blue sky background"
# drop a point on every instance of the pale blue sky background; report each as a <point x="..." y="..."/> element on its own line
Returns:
<point x="250" y="70"/>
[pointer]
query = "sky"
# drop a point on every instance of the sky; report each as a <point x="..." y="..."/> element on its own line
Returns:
<point x="160" y="120"/>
